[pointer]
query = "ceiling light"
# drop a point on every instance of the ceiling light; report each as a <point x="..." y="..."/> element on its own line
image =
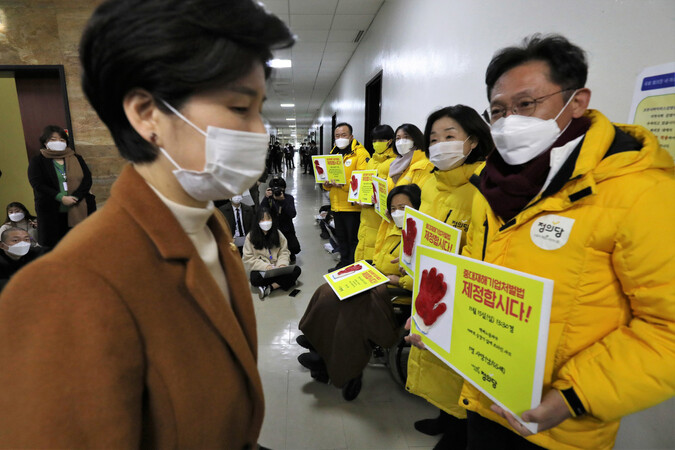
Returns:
<point x="279" y="63"/>
<point x="288" y="105"/>
<point x="291" y="126"/>
<point x="292" y="119"/>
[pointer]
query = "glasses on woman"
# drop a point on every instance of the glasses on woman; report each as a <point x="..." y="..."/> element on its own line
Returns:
<point x="525" y="106"/>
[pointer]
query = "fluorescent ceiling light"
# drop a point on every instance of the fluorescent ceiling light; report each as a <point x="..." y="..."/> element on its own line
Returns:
<point x="280" y="63"/>
<point x="292" y="119"/>
<point x="288" y="105"/>
<point x="291" y="126"/>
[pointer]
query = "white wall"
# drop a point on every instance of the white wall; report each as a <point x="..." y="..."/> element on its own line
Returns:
<point x="433" y="53"/>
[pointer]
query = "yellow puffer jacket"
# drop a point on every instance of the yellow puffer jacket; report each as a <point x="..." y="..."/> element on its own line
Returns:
<point x="370" y="220"/>
<point x="355" y="160"/>
<point x="418" y="172"/>
<point x="449" y="201"/>
<point x="612" y="331"/>
<point x="387" y="247"/>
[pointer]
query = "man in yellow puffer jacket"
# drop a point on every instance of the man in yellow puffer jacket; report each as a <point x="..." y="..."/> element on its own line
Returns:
<point x="608" y="193"/>
<point x="347" y="214"/>
<point x="382" y="137"/>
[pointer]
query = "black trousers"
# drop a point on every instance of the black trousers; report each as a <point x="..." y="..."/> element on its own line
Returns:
<point x="347" y="233"/>
<point x="486" y="434"/>
<point x="285" y="281"/>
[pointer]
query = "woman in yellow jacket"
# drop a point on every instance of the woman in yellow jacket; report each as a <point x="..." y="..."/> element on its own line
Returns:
<point x="383" y="139"/>
<point x="411" y="165"/>
<point x="457" y="141"/>
<point x="338" y="333"/>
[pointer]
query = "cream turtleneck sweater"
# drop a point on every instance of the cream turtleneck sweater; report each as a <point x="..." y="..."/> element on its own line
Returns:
<point x="193" y="221"/>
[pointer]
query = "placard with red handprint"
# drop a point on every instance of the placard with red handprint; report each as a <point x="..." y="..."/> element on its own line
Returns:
<point x="488" y="323"/>
<point x="421" y="229"/>
<point x="361" y="186"/>
<point x="380" y="193"/>
<point x="328" y="168"/>
<point x="354" y="279"/>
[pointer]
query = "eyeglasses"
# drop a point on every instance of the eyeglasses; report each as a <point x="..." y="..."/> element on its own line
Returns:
<point x="525" y="106"/>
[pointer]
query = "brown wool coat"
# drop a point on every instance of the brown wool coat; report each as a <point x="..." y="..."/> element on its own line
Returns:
<point x="120" y="337"/>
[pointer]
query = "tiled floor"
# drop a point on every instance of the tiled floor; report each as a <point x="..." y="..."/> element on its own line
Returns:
<point x="301" y="413"/>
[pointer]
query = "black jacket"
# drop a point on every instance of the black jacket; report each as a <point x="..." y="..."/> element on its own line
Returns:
<point x="247" y="217"/>
<point x="42" y="176"/>
<point x="9" y="266"/>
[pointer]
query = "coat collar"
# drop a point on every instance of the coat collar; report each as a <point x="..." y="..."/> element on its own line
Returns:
<point x="134" y="195"/>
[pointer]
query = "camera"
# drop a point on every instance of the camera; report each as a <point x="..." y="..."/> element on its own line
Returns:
<point x="277" y="191"/>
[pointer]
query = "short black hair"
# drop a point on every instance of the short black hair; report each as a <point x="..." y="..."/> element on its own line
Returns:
<point x="344" y="124"/>
<point x="173" y="49"/>
<point x="566" y="61"/>
<point x="21" y="206"/>
<point x="473" y="125"/>
<point x="258" y="238"/>
<point x="277" y="182"/>
<point x="51" y="129"/>
<point x="416" y="135"/>
<point x="412" y="191"/>
<point x="382" y="133"/>
<point x="7" y="231"/>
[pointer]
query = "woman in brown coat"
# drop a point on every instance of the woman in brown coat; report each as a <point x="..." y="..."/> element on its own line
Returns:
<point x="138" y="330"/>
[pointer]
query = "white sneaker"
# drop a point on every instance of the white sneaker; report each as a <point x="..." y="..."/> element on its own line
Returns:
<point x="263" y="291"/>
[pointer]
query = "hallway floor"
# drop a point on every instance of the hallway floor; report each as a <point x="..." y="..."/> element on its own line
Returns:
<point x="301" y="413"/>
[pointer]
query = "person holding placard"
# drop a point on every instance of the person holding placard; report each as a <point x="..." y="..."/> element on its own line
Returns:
<point x="457" y="141"/>
<point x="383" y="138"/>
<point x="347" y="214"/>
<point x="338" y="333"/>
<point x="411" y="165"/>
<point x="574" y="198"/>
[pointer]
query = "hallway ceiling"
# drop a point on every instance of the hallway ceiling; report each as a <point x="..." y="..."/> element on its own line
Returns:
<point x="328" y="32"/>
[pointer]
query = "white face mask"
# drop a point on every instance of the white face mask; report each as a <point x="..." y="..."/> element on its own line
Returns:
<point x="57" y="146"/>
<point x="16" y="217"/>
<point x="19" y="249"/>
<point x="447" y="155"/>
<point x="398" y="217"/>
<point x="520" y="139"/>
<point x="266" y="225"/>
<point x="237" y="199"/>
<point x="234" y="162"/>
<point x="342" y="143"/>
<point x="403" y="146"/>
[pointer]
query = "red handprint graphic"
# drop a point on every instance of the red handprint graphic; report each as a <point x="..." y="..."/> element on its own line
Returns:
<point x="318" y="167"/>
<point x="355" y="183"/>
<point x="432" y="290"/>
<point x="409" y="235"/>
<point x="375" y="200"/>
<point x="350" y="269"/>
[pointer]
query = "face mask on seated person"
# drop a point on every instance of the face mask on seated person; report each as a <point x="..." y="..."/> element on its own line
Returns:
<point x="16" y="217"/>
<point x="234" y="162"/>
<point x="398" y="216"/>
<point x="266" y="225"/>
<point x="19" y="249"/>
<point x="237" y="199"/>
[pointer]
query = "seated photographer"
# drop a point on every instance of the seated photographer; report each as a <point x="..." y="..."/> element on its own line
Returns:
<point x="339" y="333"/>
<point x="240" y="218"/>
<point x="282" y="206"/>
<point x="16" y="252"/>
<point x="265" y="249"/>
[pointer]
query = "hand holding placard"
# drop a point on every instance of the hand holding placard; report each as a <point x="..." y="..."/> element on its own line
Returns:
<point x="551" y="412"/>
<point x="432" y="290"/>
